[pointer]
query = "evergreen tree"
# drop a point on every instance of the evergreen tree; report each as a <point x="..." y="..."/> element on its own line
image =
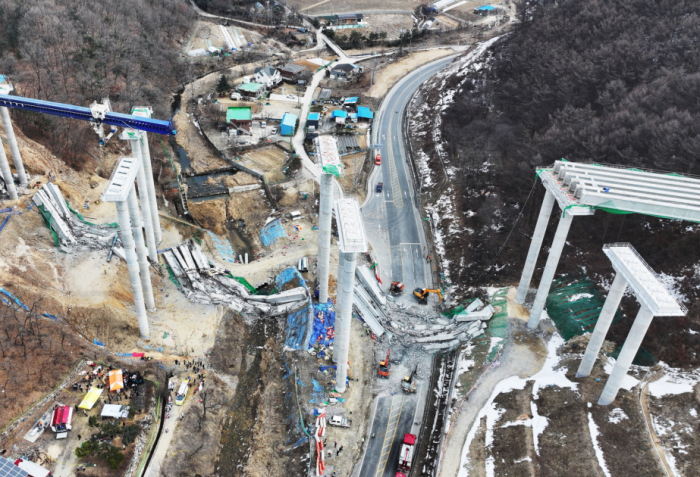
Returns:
<point x="222" y="87"/>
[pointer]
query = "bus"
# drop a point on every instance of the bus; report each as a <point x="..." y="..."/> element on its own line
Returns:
<point x="182" y="392"/>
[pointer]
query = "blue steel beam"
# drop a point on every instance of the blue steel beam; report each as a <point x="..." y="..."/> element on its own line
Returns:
<point x="84" y="114"/>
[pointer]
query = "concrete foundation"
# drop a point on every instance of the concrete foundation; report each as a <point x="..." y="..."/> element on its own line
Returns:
<point x="629" y="351"/>
<point x="535" y="246"/>
<point x="141" y="253"/>
<point x="133" y="266"/>
<point x="343" y="319"/>
<point x="612" y="303"/>
<point x="324" y="235"/>
<point x="14" y="148"/>
<point x="549" y="270"/>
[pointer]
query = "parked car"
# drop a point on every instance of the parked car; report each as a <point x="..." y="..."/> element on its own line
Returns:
<point x="378" y="160"/>
<point x="273" y="130"/>
<point x="380" y="186"/>
<point x="263" y="124"/>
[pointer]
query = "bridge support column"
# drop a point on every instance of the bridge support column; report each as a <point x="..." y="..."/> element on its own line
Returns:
<point x="338" y="287"/>
<point x="325" y="217"/>
<point x="627" y="354"/>
<point x="14" y="148"/>
<point x="343" y="319"/>
<point x="145" y="202"/>
<point x="141" y="254"/>
<point x="535" y="246"/>
<point x="612" y="302"/>
<point x="7" y="174"/>
<point x="133" y="266"/>
<point x="151" y="187"/>
<point x="549" y="269"/>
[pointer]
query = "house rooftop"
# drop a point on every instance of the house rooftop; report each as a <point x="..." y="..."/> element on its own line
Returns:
<point x="292" y="68"/>
<point x="364" y="112"/>
<point x="238" y="113"/>
<point x="250" y="87"/>
<point x="268" y="70"/>
<point x="344" y="67"/>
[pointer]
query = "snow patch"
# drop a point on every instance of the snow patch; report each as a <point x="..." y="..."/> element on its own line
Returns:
<point x="617" y="415"/>
<point x="674" y="381"/>
<point x="593" y="429"/>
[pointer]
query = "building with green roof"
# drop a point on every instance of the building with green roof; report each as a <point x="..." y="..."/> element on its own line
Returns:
<point x="239" y="116"/>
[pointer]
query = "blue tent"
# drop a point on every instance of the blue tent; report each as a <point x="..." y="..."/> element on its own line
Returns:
<point x="364" y="112"/>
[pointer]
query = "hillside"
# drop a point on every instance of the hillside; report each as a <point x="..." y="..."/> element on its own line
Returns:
<point x="606" y="82"/>
<point x="78" y="52"/>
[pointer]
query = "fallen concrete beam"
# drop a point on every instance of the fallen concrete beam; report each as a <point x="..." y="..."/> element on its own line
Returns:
<point x="295" y="294"/>
<point x="369" y="318"/>
<point x="484" y="314"/>
<point x="438" y="337"/>
<point x="370" y="282"/>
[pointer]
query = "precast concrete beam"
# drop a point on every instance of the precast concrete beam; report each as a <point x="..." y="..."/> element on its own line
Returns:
<point x="535" y="246"/>
<point x="325" y="217"/>
<point x="627" y="354"/>
<point x="141" y="253"/>
<point x="133" y="267"/>
<point x="612" y="303"/>
<point x="343" y="319"/>
<point x="549" y="269"/>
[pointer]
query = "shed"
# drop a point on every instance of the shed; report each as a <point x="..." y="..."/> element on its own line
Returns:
<point x="90" y="398"/>
<point x="213" y="49"/>
<point x="363" y="112"/>
<point x="313" y="119"/>
<point x="239" y="116"/>
<point x="116" y="380"/>
<point x="288" y="125"/>
<point x="32" y="468"/>
<point x="291" y="71"/>
<point x="339" y="113"/>
<point x="352" y="100"/>
<point x="115" y="410"/>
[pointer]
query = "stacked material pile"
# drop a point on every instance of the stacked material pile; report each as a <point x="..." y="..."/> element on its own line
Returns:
<point x="71" y="232"/>
<point x="204" y="283"/>
<point x="319" y="434"/>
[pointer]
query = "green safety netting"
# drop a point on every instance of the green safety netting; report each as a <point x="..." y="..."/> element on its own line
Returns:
<point x="574" y="305"/>
<point x="243" y="282"/>
<point x="642" y="358"/>
<point x="458" y="309"/>
<point x="47" y="219"/>
<point x="171" y="276"/>
<point x="332" y="169"/>
<point x="114" y="225"/>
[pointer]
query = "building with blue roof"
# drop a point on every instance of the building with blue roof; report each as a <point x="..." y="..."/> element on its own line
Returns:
<point x="363" y="112"/>
<point x="339" y="113"/>
<point x="288" y="125"/>
<point x="313" y="119"/>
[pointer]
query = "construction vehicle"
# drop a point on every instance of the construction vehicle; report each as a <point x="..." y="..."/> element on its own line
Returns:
<point x="409" y="382"/>
<point x="406" y="454"/>
<point x="340" y="421"/>
<point x="422" y="294"/>
<point x="182" y="392"/>
<point x="385" y="366"/>
<point x="396" y="288"/>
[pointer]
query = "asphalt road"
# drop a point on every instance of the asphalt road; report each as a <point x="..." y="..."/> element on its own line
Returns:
<point x="394" y="229"/>
<point x="392" y="220"/>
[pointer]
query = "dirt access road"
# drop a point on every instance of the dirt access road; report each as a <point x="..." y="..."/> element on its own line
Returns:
<point x="518" y="358"/>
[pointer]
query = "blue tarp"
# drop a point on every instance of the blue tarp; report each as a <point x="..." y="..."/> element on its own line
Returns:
<point x="339" y="113"/>
<point x="271" y="232"/>
<point x="98" y="343"/>
<point x="486" y="8"/>
<point x="223" y="246"/>
<point x="13" y="298"/>
<point x="324" y="319"/>
<point x="297" y="322"/>
<point x="364" y="112"/>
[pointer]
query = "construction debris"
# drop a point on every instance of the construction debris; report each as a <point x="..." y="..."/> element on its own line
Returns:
<point x="73" y="234"/>
<point x="206" y="283"/>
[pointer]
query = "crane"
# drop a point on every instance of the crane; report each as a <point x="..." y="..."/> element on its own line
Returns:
<point x="422" y="294"/>
<point x="97" y="114"/>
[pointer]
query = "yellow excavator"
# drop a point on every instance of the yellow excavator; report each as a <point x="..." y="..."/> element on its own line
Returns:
<point x="422" y="294"/>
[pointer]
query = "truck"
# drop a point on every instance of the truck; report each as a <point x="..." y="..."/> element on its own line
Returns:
<point x="62" y="418"/>
<point x="406" y="454"/>
<point x="340" y="421"/>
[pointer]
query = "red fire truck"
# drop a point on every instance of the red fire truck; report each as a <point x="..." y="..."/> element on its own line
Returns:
<point x="406" y="455"/>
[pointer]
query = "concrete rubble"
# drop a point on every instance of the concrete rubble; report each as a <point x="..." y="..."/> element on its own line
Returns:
<point x="206" y="283"/>
<point x="73" y="234"/>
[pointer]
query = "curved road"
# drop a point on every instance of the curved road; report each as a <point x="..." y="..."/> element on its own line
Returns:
<point x="394" y="229"/>
<point x="392" y="219"/>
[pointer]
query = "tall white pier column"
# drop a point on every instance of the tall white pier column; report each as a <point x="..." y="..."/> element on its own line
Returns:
<point x="7" y="174"/>
<point x="352" y="241"/>
<point x="612" y="303"/>
<point x="535" y="246"/>
<point x="120" y="185"/>
<point x="629" y="351"/>
<point x="339" y="295"/>
<point x="329" y="160"/>
<point x="147" y="112"/>
<point x="14" y="148"/>
<point x="141" y="253"/>
<point x="549" y="269"/>
<point x="325" y="217"/>
<point x="145" y="200"/>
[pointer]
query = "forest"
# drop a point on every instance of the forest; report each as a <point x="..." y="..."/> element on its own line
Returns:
<point x="593" y="81"/>
<point x="79" y="51"/>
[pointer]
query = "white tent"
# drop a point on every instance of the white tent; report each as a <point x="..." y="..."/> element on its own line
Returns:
<point x="115" y="410"/>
